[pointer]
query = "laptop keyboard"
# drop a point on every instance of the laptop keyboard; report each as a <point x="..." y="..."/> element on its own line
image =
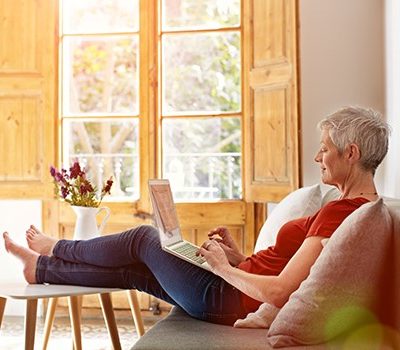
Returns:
<point x="189" y="250"/>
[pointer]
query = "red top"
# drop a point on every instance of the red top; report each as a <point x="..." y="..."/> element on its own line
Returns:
<point x="291" y="235"/>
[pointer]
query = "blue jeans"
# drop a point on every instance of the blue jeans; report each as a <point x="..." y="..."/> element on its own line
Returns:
<point x="134" y="260"/>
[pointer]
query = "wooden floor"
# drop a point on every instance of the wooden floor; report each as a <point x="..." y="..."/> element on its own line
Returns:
<point x="94" y="332"/>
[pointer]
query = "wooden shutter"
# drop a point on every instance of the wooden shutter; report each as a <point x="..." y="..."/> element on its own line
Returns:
<point x="27" y="97"/>
<point x="270" y="99"/>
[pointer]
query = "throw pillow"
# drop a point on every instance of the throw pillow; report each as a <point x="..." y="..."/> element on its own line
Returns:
<point x="262" y="318"/>
<point x="302" y="202"/>
<point x="342" y="289"/>
<point x="330" y="195"/>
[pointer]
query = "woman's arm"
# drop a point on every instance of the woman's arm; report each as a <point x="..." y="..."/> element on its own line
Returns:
<point x="272" y="289"/>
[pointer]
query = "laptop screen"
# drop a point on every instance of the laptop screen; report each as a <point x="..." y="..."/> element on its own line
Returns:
<point x="164" y="211"/>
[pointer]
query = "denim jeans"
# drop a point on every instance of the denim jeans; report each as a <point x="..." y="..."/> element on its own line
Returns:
<point x="134" y="260"/>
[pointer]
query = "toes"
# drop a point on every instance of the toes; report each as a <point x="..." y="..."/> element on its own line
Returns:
<point x="7" y="241"/>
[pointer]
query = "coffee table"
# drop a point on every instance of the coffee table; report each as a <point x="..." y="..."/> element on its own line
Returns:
<point x="32" y="292"/>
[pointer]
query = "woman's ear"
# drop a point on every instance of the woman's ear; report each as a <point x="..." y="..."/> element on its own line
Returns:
<point x="353" y="153"/>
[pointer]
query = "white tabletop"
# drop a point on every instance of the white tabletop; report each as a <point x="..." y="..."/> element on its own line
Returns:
<point x="35" y="291"/>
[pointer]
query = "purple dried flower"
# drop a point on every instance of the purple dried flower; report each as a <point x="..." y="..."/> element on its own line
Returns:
<point x="86" y="187"/>
<point x="59" y="177"/>
<point x="74" y="188"/>
<point x="53" y="171"/>
<point x="82" y="189"/>
<point x="76" y="171"/>
<point x="107" y="187"/>
<point x="64" y="192"/>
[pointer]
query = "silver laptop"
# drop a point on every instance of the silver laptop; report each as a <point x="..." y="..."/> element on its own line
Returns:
<point x="168" y="225"/>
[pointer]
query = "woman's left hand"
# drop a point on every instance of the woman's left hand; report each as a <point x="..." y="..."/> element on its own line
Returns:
<point x="215" y="257"/>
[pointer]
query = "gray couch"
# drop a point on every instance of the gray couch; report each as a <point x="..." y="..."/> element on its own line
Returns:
<point x="180" y="331"/>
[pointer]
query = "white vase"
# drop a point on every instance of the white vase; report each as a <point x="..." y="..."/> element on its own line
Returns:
<point x="86" y="224"/>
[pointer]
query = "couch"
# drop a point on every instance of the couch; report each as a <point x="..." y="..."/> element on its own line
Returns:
<point x="371" y="283"/>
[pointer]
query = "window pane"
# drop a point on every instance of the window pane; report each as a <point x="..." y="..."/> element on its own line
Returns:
<point x="100" y="16"/>
<point x="100" y="75"/>
<point x="201" y="72"/>
<point x="200" y="14"/>
<point x="202" y="158"/>
<point x="105" y="148"/>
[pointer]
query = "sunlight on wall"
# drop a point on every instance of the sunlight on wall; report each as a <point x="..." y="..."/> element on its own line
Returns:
<point x="392" y="165"/>
<point x="16" y="216"/>
<point x="342" y="63"/>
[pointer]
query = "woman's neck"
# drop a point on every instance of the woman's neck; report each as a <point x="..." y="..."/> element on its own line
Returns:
<point x="362" y="186"/>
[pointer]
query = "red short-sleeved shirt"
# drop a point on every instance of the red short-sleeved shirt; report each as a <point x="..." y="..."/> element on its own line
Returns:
<point x="290" y="237"/>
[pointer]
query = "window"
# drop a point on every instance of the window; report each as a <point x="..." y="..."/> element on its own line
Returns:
<point x="199" y="110"/>
<point x="100" y="96"/>
<point x="201" y="98"/>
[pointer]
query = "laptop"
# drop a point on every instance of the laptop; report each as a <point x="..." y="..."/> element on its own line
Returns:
<point x="168" y="225"/>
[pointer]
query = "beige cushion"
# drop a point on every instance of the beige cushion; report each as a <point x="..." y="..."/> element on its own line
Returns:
<point x="343" y="284"/>
<point x="330" y="195"/>
<point x="393" y="276"/>
<point x="302" y="202"/>
<point x="262" y="318"/>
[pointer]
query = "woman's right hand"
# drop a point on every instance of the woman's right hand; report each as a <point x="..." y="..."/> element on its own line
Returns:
<point x="226" y="242"/>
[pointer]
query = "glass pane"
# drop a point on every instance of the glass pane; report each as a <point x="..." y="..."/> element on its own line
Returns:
<point x="195" y="14"/>
<point x="100" y="16"/>
<point x="105" y="148"/>
<point x="202" y="158"/>
<point x="201" y="72"/>
<point x="100" y="75"/>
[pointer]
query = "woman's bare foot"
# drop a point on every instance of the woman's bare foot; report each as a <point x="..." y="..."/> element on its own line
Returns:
<point x="27" y="256"/>
<point x="39" y="242"/>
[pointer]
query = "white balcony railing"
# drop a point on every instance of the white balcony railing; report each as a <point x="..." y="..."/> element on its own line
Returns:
<point x="193" y="176"/>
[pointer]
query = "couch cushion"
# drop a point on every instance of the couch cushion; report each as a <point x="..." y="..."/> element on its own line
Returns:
<point x="302" y="202"/>
<point x="343" y="284"/>
<point x="261" y="318"/>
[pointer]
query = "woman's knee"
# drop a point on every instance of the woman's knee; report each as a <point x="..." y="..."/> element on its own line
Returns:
<point x="142" y="230"/>
<point x="148" y="230"/>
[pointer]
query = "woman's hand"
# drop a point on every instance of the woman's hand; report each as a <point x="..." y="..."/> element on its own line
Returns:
<point x="215" y="257"/>
<point x="228" y="245"/>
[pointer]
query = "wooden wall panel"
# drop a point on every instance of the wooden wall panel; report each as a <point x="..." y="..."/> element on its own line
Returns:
<point x="28" y="81"/>
<point x="18" y="44"/>
<point x="270" y="163"/>
<point x="271" y="121"/>
<point x="269" y="28"/>
<point x="21" y="117"/>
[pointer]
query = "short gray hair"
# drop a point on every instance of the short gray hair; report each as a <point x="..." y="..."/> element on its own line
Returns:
<point x="363" y="127"/>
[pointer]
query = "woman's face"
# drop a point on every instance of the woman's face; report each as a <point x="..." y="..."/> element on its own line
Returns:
<point x="334" y="168"/>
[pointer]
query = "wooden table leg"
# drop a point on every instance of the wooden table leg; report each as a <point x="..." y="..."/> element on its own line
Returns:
<point x="30" y="323"/>
<point x="74" y="314"/>
<point x="135" y="309"/>
<point x="80" y="303"/>
<point x="2" y="307"/>
<point x="109" y="318"/>
<point x="48" y="323"/>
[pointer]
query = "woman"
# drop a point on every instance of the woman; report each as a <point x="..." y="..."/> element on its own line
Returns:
<point x="354" y="141"/>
